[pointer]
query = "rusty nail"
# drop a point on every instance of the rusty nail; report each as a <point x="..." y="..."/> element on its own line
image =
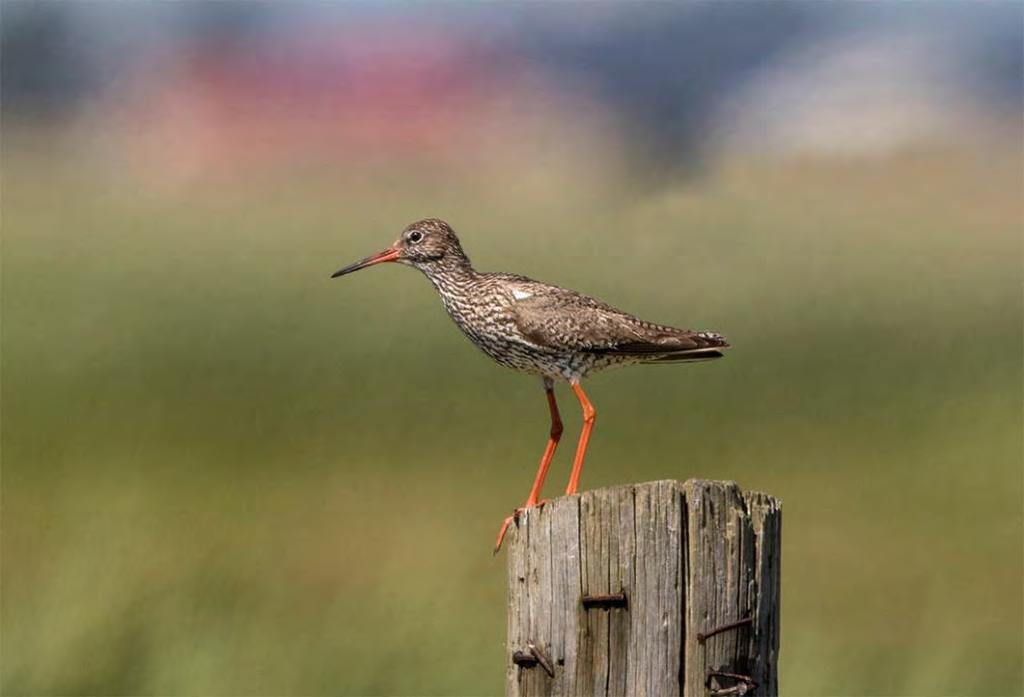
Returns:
<point x="744" y="684"/>
<point x="524" y="660"/>
<point x="702" y="637"/>
<point x="544" y="661"/>
<point x="605" y="601"/>
<point x="533" y="656"/>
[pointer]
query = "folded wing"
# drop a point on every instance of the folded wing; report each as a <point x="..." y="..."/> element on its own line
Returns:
<point x="560" y="320"/>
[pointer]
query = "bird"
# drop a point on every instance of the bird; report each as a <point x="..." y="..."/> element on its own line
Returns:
<point x="540" y="329"/>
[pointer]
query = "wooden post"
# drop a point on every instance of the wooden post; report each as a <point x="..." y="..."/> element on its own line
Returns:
<point x="663" y="588"/>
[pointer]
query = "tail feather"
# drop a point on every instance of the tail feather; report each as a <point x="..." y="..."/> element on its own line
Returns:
<point x="687" y="356"/>
<point x="665" y="343"/>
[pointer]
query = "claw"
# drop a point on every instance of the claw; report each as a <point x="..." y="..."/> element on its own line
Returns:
<point x="514" y="518"/>
<point x="504" y="529"/>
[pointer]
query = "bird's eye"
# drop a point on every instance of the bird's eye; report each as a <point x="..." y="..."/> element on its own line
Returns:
<point x="415" y="236"/>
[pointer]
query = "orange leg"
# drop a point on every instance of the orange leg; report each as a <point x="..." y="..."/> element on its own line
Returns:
<point x="589" y="414"/>
<point x="545" y="462"/>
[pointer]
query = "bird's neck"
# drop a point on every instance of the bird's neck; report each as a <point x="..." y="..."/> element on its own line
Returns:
<point x="450" y="274"/>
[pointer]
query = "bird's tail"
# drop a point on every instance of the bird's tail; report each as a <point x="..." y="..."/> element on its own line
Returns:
<point x="709" y="347"/>
<point x="688" y="356"/>
<point x="666" y="345"/>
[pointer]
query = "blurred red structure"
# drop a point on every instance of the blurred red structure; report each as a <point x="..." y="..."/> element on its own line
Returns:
<point x="225" y="109"/>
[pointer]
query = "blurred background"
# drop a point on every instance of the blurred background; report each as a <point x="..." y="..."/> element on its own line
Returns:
<point x="224" y="474"/>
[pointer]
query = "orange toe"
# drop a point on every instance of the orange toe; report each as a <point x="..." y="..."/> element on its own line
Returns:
<point x="503" y="530"/>
<point x="514" y="518"/>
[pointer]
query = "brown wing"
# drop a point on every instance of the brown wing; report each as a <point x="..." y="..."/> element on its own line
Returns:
<point x="560" y="319"/>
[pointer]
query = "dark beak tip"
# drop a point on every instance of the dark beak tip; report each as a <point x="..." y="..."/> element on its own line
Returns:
<point x="390" y="254"/>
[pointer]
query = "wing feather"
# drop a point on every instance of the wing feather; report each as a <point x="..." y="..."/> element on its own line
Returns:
<point x="559" y="319"/>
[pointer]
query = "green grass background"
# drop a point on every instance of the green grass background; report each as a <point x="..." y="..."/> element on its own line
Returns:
<point x="225" y="474"/>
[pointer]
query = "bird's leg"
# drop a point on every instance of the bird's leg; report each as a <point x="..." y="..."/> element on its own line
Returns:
<point x="589" y="414"/>
<point x="545" y="462"/>
<point x="549" y="450"/>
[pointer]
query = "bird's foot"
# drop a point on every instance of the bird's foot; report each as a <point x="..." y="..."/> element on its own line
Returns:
<point x="514" y="518"/>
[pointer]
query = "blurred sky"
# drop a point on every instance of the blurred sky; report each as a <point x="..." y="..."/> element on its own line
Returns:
<point x="194" y="89"/>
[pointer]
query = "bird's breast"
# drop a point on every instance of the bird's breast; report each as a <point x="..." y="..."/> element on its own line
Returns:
<point x="480" y="315"/>
<point x="488" y="320"/>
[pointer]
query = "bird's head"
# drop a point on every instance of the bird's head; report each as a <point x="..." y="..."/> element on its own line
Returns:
<point x="426" y="244"/>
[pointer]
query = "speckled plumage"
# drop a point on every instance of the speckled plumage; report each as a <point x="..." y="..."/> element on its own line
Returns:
<point x="543" y="329"/>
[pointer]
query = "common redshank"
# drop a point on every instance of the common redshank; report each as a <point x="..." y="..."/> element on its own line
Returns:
<point x="539" y="328"/>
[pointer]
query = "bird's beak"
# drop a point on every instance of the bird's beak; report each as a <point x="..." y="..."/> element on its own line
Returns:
<point x="389" y="254"/>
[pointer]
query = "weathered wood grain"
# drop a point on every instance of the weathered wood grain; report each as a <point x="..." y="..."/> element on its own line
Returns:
<point x="664" y="566"/>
